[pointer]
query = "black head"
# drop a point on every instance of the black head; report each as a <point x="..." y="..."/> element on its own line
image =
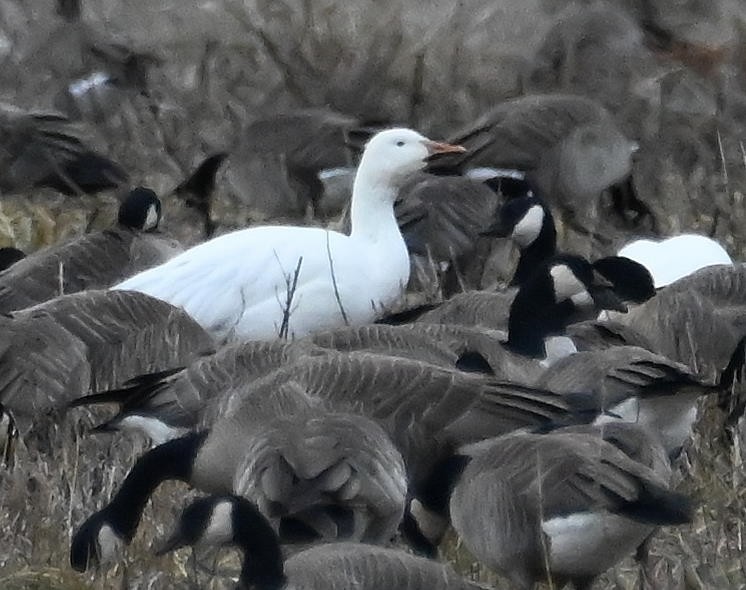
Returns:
<point x="232" y="520"/>
<point x="510" y="186"/>
<point x="9" y="256"/>
<point x="141" y="210"/>
<point x="548" y="301"/>
<point x="632" y="281"/>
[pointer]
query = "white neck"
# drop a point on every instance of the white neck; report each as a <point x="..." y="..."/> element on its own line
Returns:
<point x="372" y="210"/>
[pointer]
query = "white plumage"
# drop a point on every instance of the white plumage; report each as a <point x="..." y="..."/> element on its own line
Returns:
<point x="236" y="285"/>
<point x="673" y="258"/>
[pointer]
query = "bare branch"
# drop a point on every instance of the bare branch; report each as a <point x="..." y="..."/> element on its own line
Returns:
<point x="334" y="281"/>
<point x="291" y="286"/>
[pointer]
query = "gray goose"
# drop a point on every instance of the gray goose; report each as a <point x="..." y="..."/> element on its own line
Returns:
<point x="281" y="156"/>
<point x="92" y="261"/>
<point x="563" y="506"/>
<point x="167" y="404"/>
<point x="642" y="387"/>
<point x="44" y="150"/>
<point x="231" y="520"/>
<point x="88" y="341"/>
<point x="569" y="146"/>
<point x="425" y="410"/>
<point x="317" y="472"/>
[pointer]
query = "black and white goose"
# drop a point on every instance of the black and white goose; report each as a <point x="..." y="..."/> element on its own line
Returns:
<point x="559" y="507"/>
<point x="529" y="224"/>
<point x="92" y="261"/>
<point x="230" y="520"/>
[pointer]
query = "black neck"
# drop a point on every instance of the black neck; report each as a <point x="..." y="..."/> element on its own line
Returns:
<point x="537" y="252"/>
<point x="171" y="460"/>
<point x="534" y="315"/>
<point x="262" y="567"/>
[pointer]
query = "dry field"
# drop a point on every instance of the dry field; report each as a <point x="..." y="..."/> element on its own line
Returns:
<point x="434" y="65"/>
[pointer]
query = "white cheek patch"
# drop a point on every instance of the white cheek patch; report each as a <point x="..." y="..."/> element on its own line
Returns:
<point x="109" y="544"/>
<point x="151" y="220"/>
<point x="219" y="530"/>
<point x="529" y="227"/>
<point x="566" y="284"/>
<point x="582" y="299"/>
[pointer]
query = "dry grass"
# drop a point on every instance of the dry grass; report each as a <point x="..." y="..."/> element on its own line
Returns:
<point x="435" y="66"/>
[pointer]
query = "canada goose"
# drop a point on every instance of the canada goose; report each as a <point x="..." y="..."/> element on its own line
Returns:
<point x="302" y="279"/>
<point x="43" y="150"/>
<point x="315" y="471"/>
<point x="92" y="261"/>
<point x="697" y="321"/>
<point x="87" y="341"/>
<point x="425" y="411"/>
<point x="166" y="404"/>
<point x="562" y="506"/>
<point x="232" y="520"/>
<point x="284" y="154"/>
<point x="528" y="222"/>
<point x="673" y="258"/>
<point x="639" y="386"/>
<point x="569" y="146"/>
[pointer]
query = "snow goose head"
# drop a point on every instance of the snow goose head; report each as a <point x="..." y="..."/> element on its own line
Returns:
<point x="392" y="155"/>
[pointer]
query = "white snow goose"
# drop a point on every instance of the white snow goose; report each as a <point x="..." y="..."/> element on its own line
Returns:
<point x="241" y="285"/>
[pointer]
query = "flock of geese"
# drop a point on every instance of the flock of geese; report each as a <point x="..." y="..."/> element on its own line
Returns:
<point x="267" y="370"/>
<point x="277" y="370"/>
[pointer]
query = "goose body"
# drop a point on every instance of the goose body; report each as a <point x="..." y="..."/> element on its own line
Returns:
<point x="87" y="341"/>
<point x="244" y="284"/>
<point x="44" y="150"/>
<point x="582" y="496"/>
<point x="92" y="261"/>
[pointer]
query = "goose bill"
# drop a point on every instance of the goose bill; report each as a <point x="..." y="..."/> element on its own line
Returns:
<point x="436" y="147"/>
<point x="605" y="298"/>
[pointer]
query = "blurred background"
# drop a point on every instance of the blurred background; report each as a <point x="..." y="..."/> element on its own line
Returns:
<point x="160" y="86"/>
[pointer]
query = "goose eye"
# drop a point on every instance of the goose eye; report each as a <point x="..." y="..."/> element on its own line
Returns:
<point x="399" y="143"/>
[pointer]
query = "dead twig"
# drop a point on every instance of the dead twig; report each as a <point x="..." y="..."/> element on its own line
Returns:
<point x="334" y="281"/>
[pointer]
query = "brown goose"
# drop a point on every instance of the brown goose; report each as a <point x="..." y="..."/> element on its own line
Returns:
<point x="564" y="506"/>
<point x="425" y="410"/>
<point x="92" y="261"/>
<point x="314" y="470"/>
<point x="231" y="520"/>
<point x="44" y="150"/>
<point x="642" y="387"/>
<point x="280" y="156"/>
<point x="569" y="146"/>
<point x="87" y="341"/>
<point x="167" y="404"/>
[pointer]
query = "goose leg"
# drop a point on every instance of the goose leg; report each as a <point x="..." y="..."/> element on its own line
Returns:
<point x="10" y="437"/>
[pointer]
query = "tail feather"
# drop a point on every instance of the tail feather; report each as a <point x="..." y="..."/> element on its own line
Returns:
<point x="134" y="390"/>
<point x="660" y="506"/>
